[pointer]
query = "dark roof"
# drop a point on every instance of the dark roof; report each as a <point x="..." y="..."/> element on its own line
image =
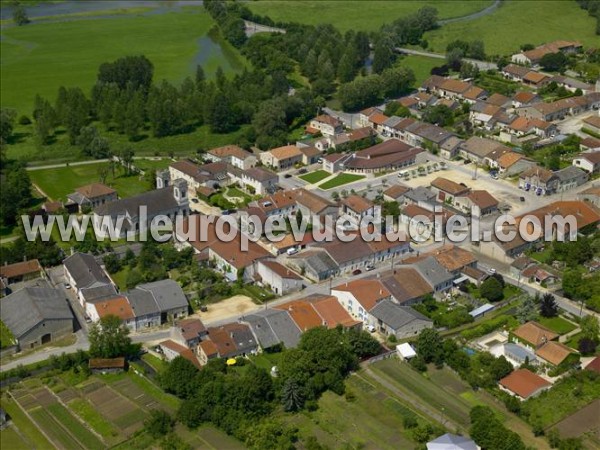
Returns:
<point x="167" y="294"/>
<point x="85" y="270"/>
<point x="318" y="261"/>
<point x="26" y="308"/>
<point x="155" y="201"/>
<point x="97" y="293"/>
<point x="394" y="315"/>
<point x="142" y="303"/>
<point x="273" y="326"/>
<point x="258" y="174"/>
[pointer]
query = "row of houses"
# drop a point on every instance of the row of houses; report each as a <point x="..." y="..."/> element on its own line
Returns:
<point x="147" y="305"/>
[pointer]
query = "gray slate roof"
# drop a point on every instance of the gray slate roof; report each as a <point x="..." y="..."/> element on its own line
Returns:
<point x="156" y="202"/>
<point x="85" y="270"/>
<point x="167" y="294"/>
<point x="273" y="326"/>
<point x="569" y="173"/>
<point x="98" y="293"/>
<point x="452" y="442"/>
<point x="28" y="307"/>
<point x="420" y="194"/>
<point x="394" y="315"/>
<point x="320" y="262"/>
<point x="433" y="271"/>
<point x="142" y="303"/>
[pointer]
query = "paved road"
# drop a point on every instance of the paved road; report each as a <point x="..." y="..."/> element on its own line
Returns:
<point x="477" y="15"/>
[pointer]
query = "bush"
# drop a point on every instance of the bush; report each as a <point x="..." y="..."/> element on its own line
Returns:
<point x="159" y="423"/>
<point x="24" y="120"/>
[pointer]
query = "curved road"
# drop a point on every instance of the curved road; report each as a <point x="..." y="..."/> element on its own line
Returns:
<point x="476" y="15"/>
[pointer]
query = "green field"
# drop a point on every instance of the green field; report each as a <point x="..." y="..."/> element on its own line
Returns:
<point x="367" y="15"/>
<point x="59" y="182"/>
<point x="152" y="164"/>
<point x="371" y="420"/>
<point x="315" y="177"/>
<point x="421" y="66"/>
<point x="89" y="415"/>
<point x="26" y="427"/>
<point x="445" y="392"/>
<point x="557" y="324"/>
<point x="519" y="22"/>
<point x="41" y="57"/>
<point x="340" y="180"/>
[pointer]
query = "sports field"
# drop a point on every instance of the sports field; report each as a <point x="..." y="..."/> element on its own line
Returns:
<point x="519" y="22"/>
<point x="41" y="57"/>
<point x="366" y="15"/>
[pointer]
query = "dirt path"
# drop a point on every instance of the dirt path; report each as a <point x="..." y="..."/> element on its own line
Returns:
<point x="225" y="309"/>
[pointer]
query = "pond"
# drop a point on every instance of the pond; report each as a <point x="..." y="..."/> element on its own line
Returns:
<point x="214" y="52"/>
<point x="71" y="7"/>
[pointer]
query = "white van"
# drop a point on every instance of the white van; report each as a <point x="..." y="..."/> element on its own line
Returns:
<point x="292" y="251"/>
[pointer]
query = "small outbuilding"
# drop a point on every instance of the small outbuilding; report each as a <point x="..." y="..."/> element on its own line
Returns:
<point x="405" y="351"/>
<point x="107" y="365"/>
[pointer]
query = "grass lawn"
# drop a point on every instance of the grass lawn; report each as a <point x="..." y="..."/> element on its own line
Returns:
<point x="152" y="164"/>
<point x="6" y="337"/>
<point x="24" y="148"/>
<point x="340" y="180"/>
<point x="557" y="324"/>
<point x="26" y="427"/>
<point x="41" y="57"/>
<point x="52" y="428"/>
<point x="120" y="278"/>
<point x="59" y="182"/>
<point x="357" y="15"/>
<point x="503" y="31"/>
<point x="315" y="177"/>
<point x="9" y="438"/>
<point x="420" y="65"/>
<point x="156" y="363"/>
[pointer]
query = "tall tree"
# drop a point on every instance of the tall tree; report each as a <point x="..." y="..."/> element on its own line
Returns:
<point x="109" y="338"/>
<point x="383" y="55"/>
<point x="20" y="16"/>
<point x="548" y="306"/>
<point x="292" y="395"/>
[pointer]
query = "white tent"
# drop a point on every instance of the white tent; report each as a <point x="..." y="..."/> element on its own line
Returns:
<point x="452" y="442"/>
<point x="405" y="351"/>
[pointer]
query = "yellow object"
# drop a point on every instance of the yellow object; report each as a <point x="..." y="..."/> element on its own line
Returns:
<point x="231" y="362"/>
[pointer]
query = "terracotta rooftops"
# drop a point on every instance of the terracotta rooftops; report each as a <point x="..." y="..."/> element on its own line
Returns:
<point x="366" y="292"/>
<point x="20" y="268"/>
<point x="95" y="190"/>
<point x="524" y="383"/>
<point x="534" y="333"/>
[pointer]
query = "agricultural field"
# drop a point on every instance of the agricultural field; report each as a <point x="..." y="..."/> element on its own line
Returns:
<point x="315" y="177"/>
<point x="518" y="22"/>
<point x="340" y="180"/>
<point x="365" y="418"/>
<point x="443" y="391"/>
<point x="364" y="15"/>
<point x="41" y="57"/>
<point x="96" y="413"/>
<point x="57" y="183"/>
<point x="583" y="422"/>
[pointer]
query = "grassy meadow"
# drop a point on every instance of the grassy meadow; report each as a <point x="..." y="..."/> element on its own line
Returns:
<point x="40" y="57"/>
<point x="519" y="22"/>
<point x="365" y="15"/>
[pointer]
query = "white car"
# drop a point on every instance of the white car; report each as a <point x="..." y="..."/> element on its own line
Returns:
<point x="371" y="328"/>
<point x="369" y="268"/>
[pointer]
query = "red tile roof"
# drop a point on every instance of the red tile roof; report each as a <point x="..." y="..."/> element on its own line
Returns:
<point x="366" y="292"/>
<point x="524" y="383"/>
<point x="20" y="268"/>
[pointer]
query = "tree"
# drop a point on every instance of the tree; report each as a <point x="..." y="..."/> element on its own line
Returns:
<point x="489" y="432"/>
<point x="7" y="124"/>
<point x="554" y="62"/>
<point x="491" y="290"/>
<point x="180" y="378"/>
<point x="15" y="194"/>
<point x="159" y="423"/>
<point x="528" y="309"/>
<point x="127" y="159"/>
<point x="363" y="344"/>
<point x="45" y="119"/>
<point x="111" y="263"/>
<point x="590" y="328"/>
<point x="20" y="16"/>
<point x="476" y="50"/>
<point x="130" y="71"/>
<point x="548" y="306"/>
<point x="292" y="395"/>
<point x="587" y="346"/>
<point x="383" y="55"/>
<point x="500" y="368"/>
<point x="454" y="58"/>
<point x="109" y="338"/>
<point x="429" y="344"/>
<point x="440" y="115"/>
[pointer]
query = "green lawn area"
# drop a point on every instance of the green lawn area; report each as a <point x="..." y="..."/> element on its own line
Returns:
<point x="420" y="65"/>
<point x="557" y="324"/>
<point x="26" y="149"/>
<point x="9" y="438"/>
<point x="315" y="177"/>
<point x="519" y="22"/>
<point x="41" y="57"/>
<point x="59" y="182"/>
<point x="357" y="15"/>
<point x="120" y="278"/>
<point x="152" y="164"/>
<point x="52" y="428"/>
<point x="156" y="363"/>
<point x="340" y="180"/>
<point x="26" y="427"/>
<point x="6" y="337"/>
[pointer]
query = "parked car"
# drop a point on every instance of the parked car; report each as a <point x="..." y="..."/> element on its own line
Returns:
<point x="203" y="308"/>
<point x="522" y="199"/>
<point x="287" y="175"/>
<point x="67" y="286"/>
<point x="194" y="200"/>
<point x="356" y="272"/>
<point x="369" y="268"/>
<point x="301" y="171"/>
<point x="371" y="329"/>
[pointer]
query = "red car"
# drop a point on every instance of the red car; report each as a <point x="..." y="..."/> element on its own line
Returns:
<point x="357" y="272"/>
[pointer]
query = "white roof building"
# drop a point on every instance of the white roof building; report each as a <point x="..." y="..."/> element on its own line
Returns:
<point x="405" y="351"/>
